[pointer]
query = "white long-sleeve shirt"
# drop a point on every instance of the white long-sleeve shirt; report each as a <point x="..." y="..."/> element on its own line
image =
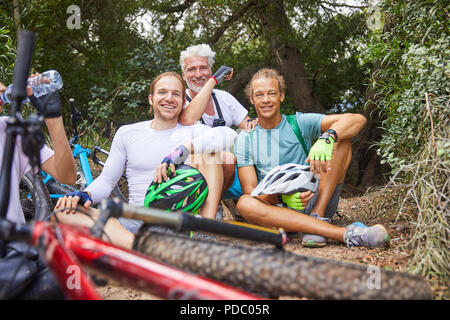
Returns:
<point x="139" y="150"/>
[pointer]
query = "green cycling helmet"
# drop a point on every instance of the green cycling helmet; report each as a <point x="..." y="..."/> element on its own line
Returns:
<point x="185" y="192"/>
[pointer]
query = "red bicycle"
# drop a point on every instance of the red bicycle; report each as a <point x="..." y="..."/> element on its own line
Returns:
<point x="66" y="248"/>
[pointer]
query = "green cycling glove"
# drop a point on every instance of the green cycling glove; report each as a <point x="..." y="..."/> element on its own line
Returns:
<point x="293" y="201"/>
<point x="323" y="148"/>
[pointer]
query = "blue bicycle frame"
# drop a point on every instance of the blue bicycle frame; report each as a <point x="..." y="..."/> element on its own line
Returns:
<point x="79" y="152"/>
<point x="82" y="154"/>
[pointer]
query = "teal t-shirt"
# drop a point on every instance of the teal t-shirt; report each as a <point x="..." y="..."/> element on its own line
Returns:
<point x="267" y="148"/>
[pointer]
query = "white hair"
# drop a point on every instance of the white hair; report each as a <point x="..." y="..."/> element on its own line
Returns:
<point x="202" y="50"/>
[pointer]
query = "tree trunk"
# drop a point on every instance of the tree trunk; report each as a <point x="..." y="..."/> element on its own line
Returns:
<point x="240" y="81"/>
<point x="285" y="57"/>
<point x="17" y="23"/>
<point x="364" y="162"/>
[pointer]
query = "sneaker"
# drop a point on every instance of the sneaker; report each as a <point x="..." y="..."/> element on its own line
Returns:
<point x="219" y="214"/>
<point x="202" y="236"/>
<point x="314" y="240"/>
<point x="357" y="234"/>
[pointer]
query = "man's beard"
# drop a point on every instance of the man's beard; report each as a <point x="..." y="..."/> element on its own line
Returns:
<point x="193" y="87"/>
<point x="164" y="116"/>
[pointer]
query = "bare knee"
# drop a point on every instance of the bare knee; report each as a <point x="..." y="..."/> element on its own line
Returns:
<point x="202" y="160"/>
<point x="251" y="208"/>
<point x="242" y="204"/>
<point x="344" y="147"/>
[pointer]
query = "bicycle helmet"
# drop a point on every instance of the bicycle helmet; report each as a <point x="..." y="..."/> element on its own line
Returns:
<point x="287" y="179"/>
<point x="185" y="192"/>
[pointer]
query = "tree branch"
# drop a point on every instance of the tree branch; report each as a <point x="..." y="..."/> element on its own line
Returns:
<point x="345" y="5"/>
<point x="179" y="8"/>
<point x="232" y="19"/>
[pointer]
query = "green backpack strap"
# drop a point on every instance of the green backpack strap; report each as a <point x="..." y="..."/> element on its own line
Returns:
<point x="292" y="120"/>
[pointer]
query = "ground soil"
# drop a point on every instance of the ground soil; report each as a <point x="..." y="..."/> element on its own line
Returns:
<point x="355" y="205"/>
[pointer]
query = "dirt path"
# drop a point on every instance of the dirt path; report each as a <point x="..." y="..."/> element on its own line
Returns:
<point x="354" y="206"/>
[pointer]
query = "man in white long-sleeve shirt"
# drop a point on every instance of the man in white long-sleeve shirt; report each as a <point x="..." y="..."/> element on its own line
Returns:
<point x="139" y="148"/>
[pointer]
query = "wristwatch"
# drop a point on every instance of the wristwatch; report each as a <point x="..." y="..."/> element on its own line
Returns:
<point x="331" y="131"/>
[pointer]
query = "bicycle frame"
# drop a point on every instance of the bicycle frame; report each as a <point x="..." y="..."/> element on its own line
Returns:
<point x="65" y="246"/>
<point x="82" y="154"/>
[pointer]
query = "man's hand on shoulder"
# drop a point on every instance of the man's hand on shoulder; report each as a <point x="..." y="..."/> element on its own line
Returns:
<point x="249" y="124"/>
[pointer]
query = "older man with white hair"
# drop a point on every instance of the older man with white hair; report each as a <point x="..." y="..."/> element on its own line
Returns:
<point x="217" y="107"/>
<point x="220" y="107"/>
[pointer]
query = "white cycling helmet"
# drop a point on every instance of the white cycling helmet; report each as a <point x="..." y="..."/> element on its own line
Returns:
<point x="287" y="179"/>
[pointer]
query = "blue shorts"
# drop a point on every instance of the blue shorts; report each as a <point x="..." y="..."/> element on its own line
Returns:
<point x="235" y="191"/>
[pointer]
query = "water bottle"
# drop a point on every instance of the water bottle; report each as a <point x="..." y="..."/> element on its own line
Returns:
<point x="40" y="88"/>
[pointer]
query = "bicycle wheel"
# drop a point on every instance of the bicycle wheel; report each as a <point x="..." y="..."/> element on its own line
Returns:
<point x="275" y="272"/>
<point x="34" y="198"/>
<point x="27" y="197"/>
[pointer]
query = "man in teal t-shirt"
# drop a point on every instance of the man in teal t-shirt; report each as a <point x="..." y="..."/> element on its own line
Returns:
<point x="266" y="148"/>
<point x="324" y="142"/>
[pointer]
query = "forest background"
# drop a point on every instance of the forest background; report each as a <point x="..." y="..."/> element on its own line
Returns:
<point x="388" y="60"/>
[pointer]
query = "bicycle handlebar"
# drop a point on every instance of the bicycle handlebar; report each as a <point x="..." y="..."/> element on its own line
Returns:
<point x="22" y="69"/>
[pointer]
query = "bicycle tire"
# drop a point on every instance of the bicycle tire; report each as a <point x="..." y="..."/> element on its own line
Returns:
<point x="39" y="206"/>
<point x="27" y="197"/>
<point x="29" y="207"/>
<point x="274" y="272"/>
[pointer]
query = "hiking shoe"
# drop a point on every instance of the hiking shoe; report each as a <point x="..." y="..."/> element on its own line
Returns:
<point x="219" y="214"/>
<point x="314" y="240"/>
<point x="374" y="236"/>
<point x="202" y="236"/>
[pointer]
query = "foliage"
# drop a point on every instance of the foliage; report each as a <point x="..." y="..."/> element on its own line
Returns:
<point x="105" y="64"/>
<point x="7" y="51"/>
<point x="327" y="41"/>
<point x="331" y="51"/>
<point x="414" y="55"/>
<point x="427" y="180"/>
<point x="411" y="88"/>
